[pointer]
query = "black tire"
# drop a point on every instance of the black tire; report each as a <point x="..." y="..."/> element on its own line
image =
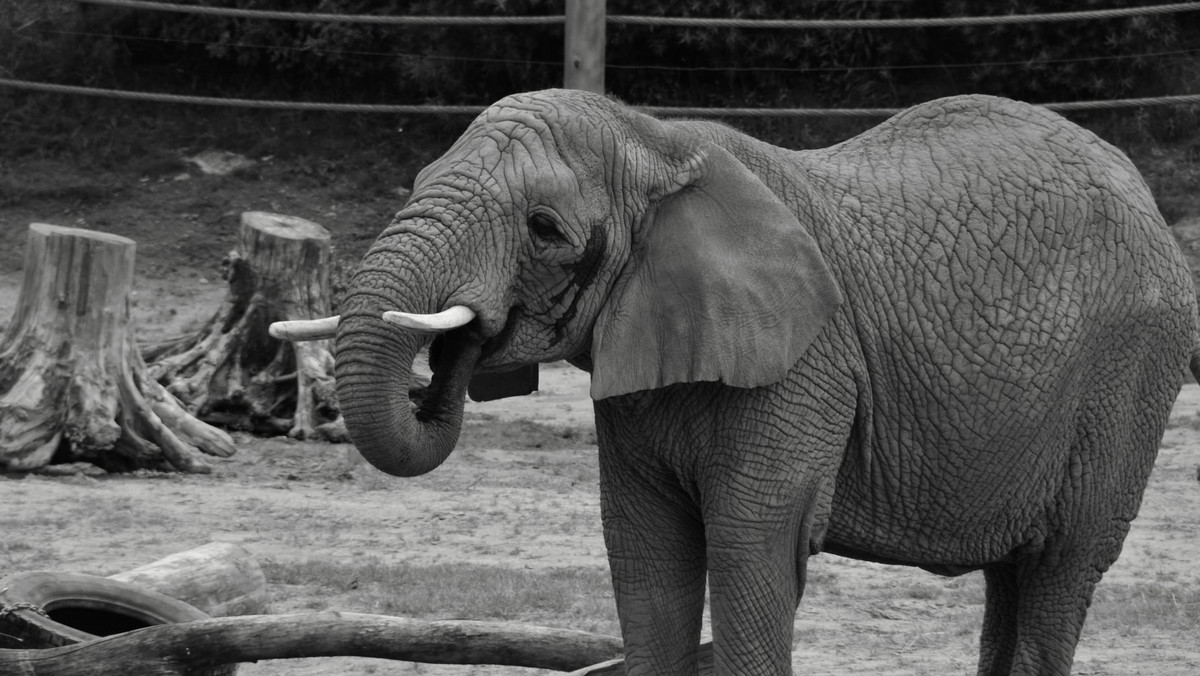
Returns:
<point x="43" y="609"/>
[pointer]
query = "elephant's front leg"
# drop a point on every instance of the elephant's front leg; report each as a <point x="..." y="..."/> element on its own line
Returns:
<point x="655" y="543"/>
<point x="757" y="552"/>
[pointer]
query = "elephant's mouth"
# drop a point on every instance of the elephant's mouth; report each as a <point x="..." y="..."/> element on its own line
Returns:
<point x="490" y="348"/>
<point x="452" y="358"/>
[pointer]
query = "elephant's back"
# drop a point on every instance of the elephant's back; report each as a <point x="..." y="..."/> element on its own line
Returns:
<point x="991" y="226"/>
<point x="997" y="261"/>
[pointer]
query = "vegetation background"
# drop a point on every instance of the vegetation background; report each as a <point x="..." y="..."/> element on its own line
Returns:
<point x="1094" y="59"/>
<point x="65" y="42"/>
<point x="105" y="144"/>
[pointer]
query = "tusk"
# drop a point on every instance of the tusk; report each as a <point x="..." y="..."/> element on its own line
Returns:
<point x="301" y="330"/>
<point x="459" y="315"/>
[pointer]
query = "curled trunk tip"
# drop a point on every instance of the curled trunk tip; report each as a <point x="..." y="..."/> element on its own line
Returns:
<point x="374" y="368"/>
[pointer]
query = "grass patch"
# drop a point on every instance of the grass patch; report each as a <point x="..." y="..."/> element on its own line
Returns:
<point x="1145" y="608"/>
<point x="18" y="555"/>
<point x="41" y="522"/>
<point x="79" y="192"/>
<point x="575" y="597"/>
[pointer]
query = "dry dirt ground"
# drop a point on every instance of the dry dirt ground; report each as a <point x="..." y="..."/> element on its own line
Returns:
<point x="520" y="494"/>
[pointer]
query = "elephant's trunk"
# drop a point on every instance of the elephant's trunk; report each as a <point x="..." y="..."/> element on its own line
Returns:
<point x="374" y="367"/>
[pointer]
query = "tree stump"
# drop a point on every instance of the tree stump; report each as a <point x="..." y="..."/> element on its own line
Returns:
<point x="232" y="372"/>
<point x="72" y="383"/>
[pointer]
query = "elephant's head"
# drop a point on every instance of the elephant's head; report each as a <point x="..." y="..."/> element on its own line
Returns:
<point x="569" y="226"/>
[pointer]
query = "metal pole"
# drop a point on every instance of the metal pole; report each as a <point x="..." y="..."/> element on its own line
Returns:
<point x="583" y="52"/>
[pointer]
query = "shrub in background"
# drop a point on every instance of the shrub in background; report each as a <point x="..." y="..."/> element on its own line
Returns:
<point x="62" y="41"/>
<point x="346" y="62"/>
<point x="652" y="65"/>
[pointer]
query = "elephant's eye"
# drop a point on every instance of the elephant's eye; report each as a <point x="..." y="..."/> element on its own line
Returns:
<point x="544" y="228"/>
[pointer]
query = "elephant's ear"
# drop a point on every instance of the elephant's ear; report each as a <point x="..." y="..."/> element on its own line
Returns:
<point x="725" y="284"/>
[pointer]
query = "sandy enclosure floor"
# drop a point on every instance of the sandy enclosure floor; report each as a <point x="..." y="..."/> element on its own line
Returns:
<point x="500" y="501"/>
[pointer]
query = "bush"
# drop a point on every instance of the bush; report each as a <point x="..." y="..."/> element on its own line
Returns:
<point x="61" y="41"/>
<point x="345" y="62"/>
<point x="887" y="67"/>
<point x="652" y="65"/>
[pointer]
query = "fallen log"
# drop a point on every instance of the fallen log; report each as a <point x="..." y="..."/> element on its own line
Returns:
<point x="178" y="648"/>
<point x="72" y="383"/>
<point x="220" y="578"/>
<point x="234" y="374"/>
<point x="616" y="667"/>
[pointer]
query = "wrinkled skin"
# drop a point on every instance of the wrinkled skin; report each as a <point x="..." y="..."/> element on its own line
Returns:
<point x="951" y="342"/>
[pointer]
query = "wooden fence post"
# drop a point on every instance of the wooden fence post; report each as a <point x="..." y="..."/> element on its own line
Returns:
<point x="583" y="58"/>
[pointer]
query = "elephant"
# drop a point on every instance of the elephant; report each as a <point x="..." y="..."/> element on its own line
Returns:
<point x="949" y="342"/>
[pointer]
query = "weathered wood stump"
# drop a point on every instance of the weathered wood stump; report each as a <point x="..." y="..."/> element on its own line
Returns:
<point x="72" y="383"/>
<point x="232" y="372"/>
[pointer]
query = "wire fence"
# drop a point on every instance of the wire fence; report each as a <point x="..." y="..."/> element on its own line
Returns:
<point x="240" y="103"/>
<point x="232" y="12"/>
<point x="1165" y="56"/>
<point x="666" y="111"/>
<point x="684" y="22"/>
<point x="690" y="22"/>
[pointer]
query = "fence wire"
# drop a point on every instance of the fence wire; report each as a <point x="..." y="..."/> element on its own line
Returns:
<point x="613" y="19"/>
<point x="664" y="111"/>
<point x="549" y="19"/>
<point x="688" y="22"/>
<point x="1174" y="56"/>
<point x="239" y="103"/>
<point x="937" y="22"/>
